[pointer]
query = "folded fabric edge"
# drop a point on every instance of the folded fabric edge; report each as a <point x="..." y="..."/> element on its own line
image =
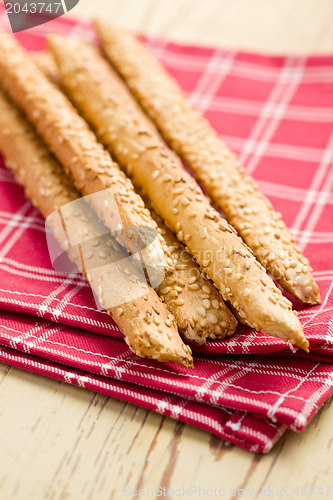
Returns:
<point x="108" y="328"/>
<point x="113" y="362"/>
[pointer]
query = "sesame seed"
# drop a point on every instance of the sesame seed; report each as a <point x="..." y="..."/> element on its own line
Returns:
<point x="212" y="318"/>
<point x="215" y="304"/>
<point x="156" y="320"/>
<point x="155" y="174"/>
<point x="166" y="290"/>
<point x="194" y="287"/>
<point x="178" y="190"/>
<point x="242" y="314"/>
<point x="206" y="303"/>
<point x="179" y="302"/>
<point x="289" y="274"/>
<point x="201" y="311"/>
<point x="181" y="266"/>
<point x="206" y="289"/>
<point x="185" y="202"/>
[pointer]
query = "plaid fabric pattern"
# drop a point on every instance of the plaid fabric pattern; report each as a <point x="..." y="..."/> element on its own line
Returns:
<point x="277" y="114"/>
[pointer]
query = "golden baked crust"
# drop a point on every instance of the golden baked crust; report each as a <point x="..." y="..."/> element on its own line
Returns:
<point x="77" y="149"/>
<point x="46" y="63"/>
<point x="122" y="127"/>
<point x="191" y="297"/>
<point x="189" y="294"/>
<point x="224" y="178"/>
<point x="149" y="329"/>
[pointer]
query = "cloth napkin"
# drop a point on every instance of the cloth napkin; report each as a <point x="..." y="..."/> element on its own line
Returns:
<point x="277" y="114"/>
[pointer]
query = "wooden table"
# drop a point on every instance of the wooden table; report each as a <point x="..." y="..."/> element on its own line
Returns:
<point x="63" y="442"/>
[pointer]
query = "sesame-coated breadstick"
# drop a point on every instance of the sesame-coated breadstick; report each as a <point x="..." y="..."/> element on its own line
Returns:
<point x="224" y="178"/>
<point x="78" y="151"/>
<point x="46" y="63"/>
<point x="148" y="327"/>
<point x="190" y="296"/>
<point x="120" y="124"/>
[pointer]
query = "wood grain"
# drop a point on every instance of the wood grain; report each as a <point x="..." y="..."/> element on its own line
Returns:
<point x="265" y="25"/>
<point x="62" y="442"/>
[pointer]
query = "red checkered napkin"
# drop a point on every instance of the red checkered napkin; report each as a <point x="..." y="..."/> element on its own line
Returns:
<point x="277" y="113"/>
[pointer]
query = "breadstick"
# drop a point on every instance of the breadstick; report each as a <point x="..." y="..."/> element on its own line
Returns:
<point x="46" y="63"/>
<point x="187" y="293"/>
<point x="213" y="164"/>
<point x="193" y="299"/>
<point x="121" y="125"/>
<point x="148" y="327"/>
<point x="76" y="148"/>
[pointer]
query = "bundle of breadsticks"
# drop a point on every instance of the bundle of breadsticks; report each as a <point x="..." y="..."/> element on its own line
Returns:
<point x="224" y="179"/>
<point x="205" y="260"/>
<point x="149" y="329"/>
<point x="148" y="324"/>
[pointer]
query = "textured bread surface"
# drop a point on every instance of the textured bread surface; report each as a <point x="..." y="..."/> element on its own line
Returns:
<point x="122" y="127"/>
<point x="189" y="294"/>
<point x="149" y="328"/>
<point x="75" y="146"/>
<point x="214" y="165"/>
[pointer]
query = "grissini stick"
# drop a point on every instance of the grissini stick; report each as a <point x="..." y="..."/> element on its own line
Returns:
<point x="78" y="151"/>
<point x="213" y="164"/>
<point x="120" y="124"/>
<point x="46" y="63"/>
<point x="190" y="296"/>
<point x="149" y="329"/>
<point x="193" y="299"/>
